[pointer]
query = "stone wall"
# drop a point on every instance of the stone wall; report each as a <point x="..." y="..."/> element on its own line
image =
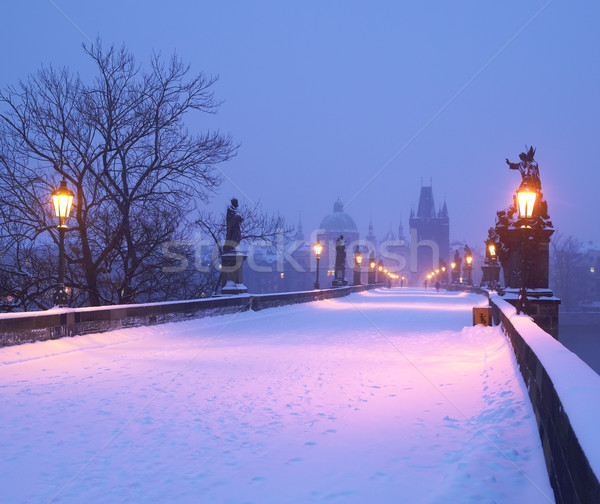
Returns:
<point x="571" y="475"/>
<point x="17" y="328"/>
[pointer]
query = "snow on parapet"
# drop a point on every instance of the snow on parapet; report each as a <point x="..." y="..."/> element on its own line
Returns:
<point x="576" y="383"/>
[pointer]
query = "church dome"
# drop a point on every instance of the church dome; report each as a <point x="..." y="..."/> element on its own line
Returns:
<point x="338" y="221"/>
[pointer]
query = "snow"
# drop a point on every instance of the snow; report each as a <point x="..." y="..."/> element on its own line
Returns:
<point x="577" y="384"/>
<point x="382" y="396"/>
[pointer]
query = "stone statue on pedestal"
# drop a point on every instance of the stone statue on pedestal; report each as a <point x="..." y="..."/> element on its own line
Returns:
<point x="233" y="221"/>
<point x="523" y="251"/>
<point x="528" y="167"/>
<point x="231" y="258"/>
<point x="340" y="263"/>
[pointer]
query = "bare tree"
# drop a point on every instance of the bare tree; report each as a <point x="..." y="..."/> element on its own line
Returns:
<point x="566" y="254"/>
<point x="121" y="144"/>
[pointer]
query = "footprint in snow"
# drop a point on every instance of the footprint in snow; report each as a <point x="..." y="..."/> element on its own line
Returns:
<point x="450" y="419"/>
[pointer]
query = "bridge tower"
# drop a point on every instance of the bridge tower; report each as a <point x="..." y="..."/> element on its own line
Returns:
<point x="429" y="236"/>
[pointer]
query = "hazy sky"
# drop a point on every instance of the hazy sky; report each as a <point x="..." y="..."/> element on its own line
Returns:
<point x="327" y="96"/>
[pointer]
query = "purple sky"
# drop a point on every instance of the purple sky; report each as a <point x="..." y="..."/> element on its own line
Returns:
<point x="324" y="96"/>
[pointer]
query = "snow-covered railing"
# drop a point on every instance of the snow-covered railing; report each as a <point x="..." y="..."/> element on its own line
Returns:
<point x="24" y="327"/>
<point x="565" y="394"/>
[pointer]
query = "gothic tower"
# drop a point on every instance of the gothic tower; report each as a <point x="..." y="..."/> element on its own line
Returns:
<point x="429" y="236"/>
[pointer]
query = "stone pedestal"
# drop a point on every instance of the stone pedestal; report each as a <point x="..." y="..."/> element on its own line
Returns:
<point x="371" y="279"/>
<point x="231" y="273"/>
<point x="535" y="244"/>
<point x="357" y="275"/>
<point x="339" y="279"/>
<point x="542" y="307"/>
<point x="491" y="276"/>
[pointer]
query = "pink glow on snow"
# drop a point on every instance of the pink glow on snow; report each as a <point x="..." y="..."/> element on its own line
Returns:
<point x="331" y="304"/>
<point x="298" y="404"/>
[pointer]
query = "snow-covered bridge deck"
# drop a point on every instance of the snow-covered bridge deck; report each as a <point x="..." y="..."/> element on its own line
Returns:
<point x="384" y="396"/>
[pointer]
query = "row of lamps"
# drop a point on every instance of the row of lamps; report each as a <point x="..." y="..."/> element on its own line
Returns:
<point x="63" y="197"/>
<point x="376" y="269"/>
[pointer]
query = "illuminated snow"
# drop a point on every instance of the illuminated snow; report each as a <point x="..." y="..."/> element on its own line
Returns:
<point x="383" y="397"/>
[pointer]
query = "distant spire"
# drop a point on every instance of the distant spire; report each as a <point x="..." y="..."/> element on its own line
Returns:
<point x="444" y="212"/>
<point x="400" y="230"/>
<point x="299" y="232"/>
<point x="371" y="236"/>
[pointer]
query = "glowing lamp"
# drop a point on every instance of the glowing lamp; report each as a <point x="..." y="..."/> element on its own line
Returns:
<point x="358" y="259"/>
<point x="62" y="199"/>
<point x="318" y="248"/>
<point x="372" y="265"/>
<point x="526" y="197"/>
<point x="453" y="265"/>
<point x="469" y="260"/>
<point x="492" y="249"/>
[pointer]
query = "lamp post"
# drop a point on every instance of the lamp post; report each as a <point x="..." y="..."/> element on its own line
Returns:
<point x="468" y="265"/>
<point x="444" y="275"/>
<point x="372" y="266"/>
<point x="62" y="199"/>
<point x="455" y="268"/>
<point x="357" y="263"/>
<point x="318" y="249"/>
<point x="491" y="269"/>
<point x="469" y="268"/>
<point x="526" y="196"/>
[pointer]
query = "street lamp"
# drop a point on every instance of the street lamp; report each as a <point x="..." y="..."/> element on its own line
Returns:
<point x="318" y="249"/>
<point x="380" y="270"/>
<point x="357" y="262"/>
<point x="490" y="269"/>
<point x="468" y="265"/>
<point x="62" y="199"/>
<point x="455" y="268"/>
<point x="526" y="197"/>
<point x="491" y="248"/>
<point x="372" y="265"/>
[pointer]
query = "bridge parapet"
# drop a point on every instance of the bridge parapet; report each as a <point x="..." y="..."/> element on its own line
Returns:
<point x="26" y="327"/>
<point x="564" y="393"/>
